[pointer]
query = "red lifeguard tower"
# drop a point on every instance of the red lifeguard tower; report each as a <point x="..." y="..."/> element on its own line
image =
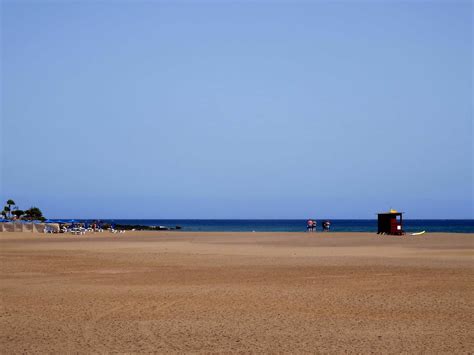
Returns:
<point x="390" y="223"/>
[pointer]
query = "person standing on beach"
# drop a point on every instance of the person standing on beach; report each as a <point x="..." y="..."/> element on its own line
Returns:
<point x="309" y="225"/>
<point x="326" y="226"/>
<point x="314" y="226"/>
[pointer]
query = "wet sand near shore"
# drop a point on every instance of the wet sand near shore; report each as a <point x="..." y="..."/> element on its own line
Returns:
<point x="236" y="292"/>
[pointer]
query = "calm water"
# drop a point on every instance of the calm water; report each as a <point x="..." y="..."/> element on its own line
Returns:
<point x="293" y="225"/>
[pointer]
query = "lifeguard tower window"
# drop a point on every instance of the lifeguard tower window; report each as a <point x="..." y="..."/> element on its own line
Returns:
<point x="390" y="223"/>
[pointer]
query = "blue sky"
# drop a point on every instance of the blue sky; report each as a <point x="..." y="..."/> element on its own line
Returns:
<point x="251" y="109"/>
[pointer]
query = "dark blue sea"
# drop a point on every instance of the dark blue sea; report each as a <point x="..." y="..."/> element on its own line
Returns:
<point x="296" y="225"/>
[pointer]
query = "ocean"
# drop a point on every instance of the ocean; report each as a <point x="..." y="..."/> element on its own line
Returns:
<point x="299" y="225"/>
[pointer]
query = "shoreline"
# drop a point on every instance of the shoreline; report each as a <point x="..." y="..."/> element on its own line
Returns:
<point x="227" y="233"/>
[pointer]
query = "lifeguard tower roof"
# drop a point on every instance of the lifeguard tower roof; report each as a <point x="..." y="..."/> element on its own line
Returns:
<point x="391" y="212"/>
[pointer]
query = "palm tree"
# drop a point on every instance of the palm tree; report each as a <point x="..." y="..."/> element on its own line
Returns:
<point x="10" y="203"/>
<point x="7" y="212"/>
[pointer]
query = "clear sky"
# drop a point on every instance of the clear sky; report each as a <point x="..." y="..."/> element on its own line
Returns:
<point x="243" y="109"/>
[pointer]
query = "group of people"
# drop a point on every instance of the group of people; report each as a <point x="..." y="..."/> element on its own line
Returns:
<point x="311" y="225"/>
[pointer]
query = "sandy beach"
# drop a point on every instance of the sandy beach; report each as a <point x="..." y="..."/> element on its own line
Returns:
<point x="236" y="292"/>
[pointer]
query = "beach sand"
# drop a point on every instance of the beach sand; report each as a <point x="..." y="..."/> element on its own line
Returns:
<point x="236" y="292"/>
